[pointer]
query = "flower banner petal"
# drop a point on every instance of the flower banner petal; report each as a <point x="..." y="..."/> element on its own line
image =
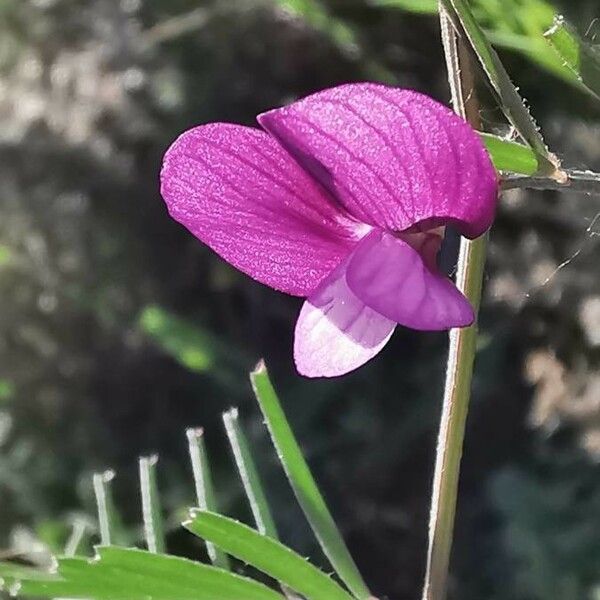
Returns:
<point x="240" y="193"/>
<point x="391" y="277"/>
<point x="336" y="333"/>
<point x="393" y="158"/>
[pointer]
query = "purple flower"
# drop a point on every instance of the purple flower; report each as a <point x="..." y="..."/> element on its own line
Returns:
<point x="342" y="199"/>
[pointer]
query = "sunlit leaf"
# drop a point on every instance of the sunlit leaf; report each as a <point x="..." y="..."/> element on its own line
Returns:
<point x="267" y="555"/>
<point x="129" y="574"/>
<point x="15" y="571"/>
<point x="578" y="55"/>
<point x="510" y="156"/>
<point x="304" y="486"/>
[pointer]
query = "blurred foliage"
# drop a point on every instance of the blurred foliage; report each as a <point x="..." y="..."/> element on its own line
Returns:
<point x="517" y="25"/>
<point x="547" y="512"/>
<point x="195" y="348"/>
<point x="89" y="100"/>
<point x="315" y="14"/>
<point x="427" y="7"/>
<point x="579" y="54"/>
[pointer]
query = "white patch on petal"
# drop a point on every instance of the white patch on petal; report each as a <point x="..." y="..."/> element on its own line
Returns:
<point x="336" y="332"/>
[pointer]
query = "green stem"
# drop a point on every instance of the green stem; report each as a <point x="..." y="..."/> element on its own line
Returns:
<point x="457" y="394"/>
<point x="461" y="357"/>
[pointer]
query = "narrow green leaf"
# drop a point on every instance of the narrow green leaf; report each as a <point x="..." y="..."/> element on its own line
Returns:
<point x="424" y="7"/>
<point x="249" y="474"/>
<point x="267" y="555"/>
<point x="304" y="486"/>
<point x="108" y="519"/>
<point x="151" y="512"/>
<point x="510" y="156"/>
<point x="205" y="493"/>
<point x="511" y="102"/>
<point x="130" y="574"/>
<point x="578" y="55"/>
<point x="535" y="49"/>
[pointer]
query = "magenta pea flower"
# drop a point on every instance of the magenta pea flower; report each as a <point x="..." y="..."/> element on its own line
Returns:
<point x="342" y="199"/>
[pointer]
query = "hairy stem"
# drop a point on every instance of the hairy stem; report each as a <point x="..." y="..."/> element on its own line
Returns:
<point x="461" y="356"/>
<point x="585" y="182"/>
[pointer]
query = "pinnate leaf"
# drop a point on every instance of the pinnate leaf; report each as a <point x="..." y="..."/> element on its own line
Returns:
<point x="267" y="555"/>
<point x="130" y="574"/>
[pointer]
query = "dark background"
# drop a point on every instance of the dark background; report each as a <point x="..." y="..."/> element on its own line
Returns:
<point x="118" y="329"/>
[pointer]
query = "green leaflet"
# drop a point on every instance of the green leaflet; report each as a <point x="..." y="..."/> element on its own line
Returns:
<point x="510" y="156"/>
<point x="580" y="56"/>
<point x="267" y="555"/>
<point x="307" y="493"/>
<point x="129" y="574"/>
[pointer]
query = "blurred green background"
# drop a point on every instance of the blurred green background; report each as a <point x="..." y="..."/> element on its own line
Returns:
<point x="118" y="329"/>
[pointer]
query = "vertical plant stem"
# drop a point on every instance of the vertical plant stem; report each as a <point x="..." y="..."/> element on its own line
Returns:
<point x="461" y="355"/>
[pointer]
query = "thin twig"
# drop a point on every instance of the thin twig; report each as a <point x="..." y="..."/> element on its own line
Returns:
<point x="584" y="182"/>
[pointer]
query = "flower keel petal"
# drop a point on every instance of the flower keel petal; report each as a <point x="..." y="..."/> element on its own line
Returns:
<point x="391" y="277"/>
<point x="336" y="332"/>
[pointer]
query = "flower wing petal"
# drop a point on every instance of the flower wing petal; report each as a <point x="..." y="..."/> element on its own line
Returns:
<point x="336" y="333"/>
<point x="390" y="276"/>
<point x="240" y="193"/>
<point x="392" y="157"/>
